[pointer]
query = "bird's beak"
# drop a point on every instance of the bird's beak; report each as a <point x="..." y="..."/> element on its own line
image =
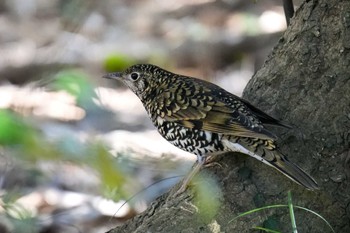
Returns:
<point x="115" y="75"/>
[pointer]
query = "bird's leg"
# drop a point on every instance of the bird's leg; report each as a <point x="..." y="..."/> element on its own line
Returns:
<point x="199" y="164"/>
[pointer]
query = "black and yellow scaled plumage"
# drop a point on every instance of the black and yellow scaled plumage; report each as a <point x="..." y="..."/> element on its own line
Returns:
<point x="204" y="119"/>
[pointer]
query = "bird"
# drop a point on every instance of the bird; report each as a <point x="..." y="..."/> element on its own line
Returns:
<point x="202" y="118"/>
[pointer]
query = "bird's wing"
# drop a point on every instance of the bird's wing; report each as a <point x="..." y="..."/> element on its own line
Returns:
<point x="265" y="118"/>
<point x="198" y="108"/>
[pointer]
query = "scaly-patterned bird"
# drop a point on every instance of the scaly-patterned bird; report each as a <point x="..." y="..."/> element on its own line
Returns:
<point x="204" y="119"/>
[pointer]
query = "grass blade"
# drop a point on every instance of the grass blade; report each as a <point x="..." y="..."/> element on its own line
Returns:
<point x="291" y="213"/>
<point x="256" y="210"/>
<point x="282" y="206"/>
<point x="265" y="229"/>
<point x="318" y="215"/>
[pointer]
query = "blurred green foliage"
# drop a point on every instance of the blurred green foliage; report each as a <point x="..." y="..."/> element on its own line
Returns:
<point x="17" y="218"/>
<point x="25" y="225"/>
<point x="13" y="130"/>
<point x="117" y="62"/>
<point x="22" y="140"/>
<point x="111" y="173"/>
<point x="29" y="144"/>
<point x="75" y="83"/>
<point x="73" y="13"/>
<point x="207" y="196"/>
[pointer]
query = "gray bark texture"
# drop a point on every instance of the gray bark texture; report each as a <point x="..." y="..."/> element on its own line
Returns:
<point x="306" y="82"/>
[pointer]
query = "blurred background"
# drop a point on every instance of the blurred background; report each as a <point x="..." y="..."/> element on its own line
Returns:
<point x="78" y="153"/>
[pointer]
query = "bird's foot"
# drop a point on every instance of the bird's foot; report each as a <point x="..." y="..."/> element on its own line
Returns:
<point x="210" y="161"/>
<point x="212" y="164"/>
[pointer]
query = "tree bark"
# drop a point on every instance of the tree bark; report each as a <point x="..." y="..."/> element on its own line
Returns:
<point x="306" y="82"/>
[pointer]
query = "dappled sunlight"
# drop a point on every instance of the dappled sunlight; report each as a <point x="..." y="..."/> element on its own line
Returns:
<point x="122" y="100"/>
<point x="38" y="102"/>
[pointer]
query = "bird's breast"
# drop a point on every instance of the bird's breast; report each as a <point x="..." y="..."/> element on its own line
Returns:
<point x="195" y="141"/>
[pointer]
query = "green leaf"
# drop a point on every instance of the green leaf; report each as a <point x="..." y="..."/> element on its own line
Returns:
<point x="12" y="129"/>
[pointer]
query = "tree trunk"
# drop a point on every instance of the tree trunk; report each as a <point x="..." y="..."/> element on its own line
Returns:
<point x="305" y="82"/>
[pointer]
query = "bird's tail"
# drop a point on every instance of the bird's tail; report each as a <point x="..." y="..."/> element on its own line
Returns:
<point x="266" y="152"/>
<point x="292" y="171"/>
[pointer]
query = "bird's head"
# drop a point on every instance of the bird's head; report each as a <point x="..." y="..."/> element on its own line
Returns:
<point x="139" y="78"/>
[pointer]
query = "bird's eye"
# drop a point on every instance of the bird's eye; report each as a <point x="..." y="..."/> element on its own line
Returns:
<point x="134" y="76"/>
